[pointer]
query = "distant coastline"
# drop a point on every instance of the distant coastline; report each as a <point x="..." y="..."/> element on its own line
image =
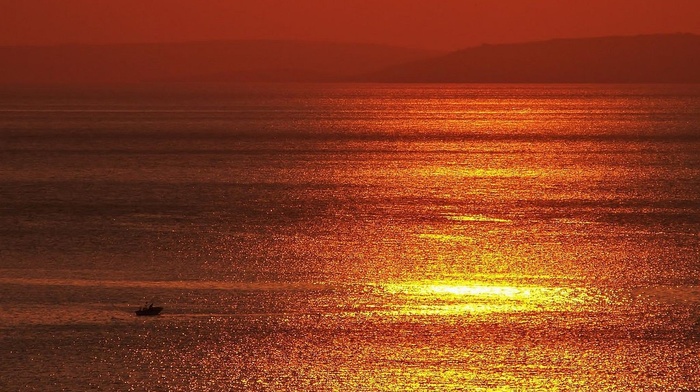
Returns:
<point x="661" y="58"/>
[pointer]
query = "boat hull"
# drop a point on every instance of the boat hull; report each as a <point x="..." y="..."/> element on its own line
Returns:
<point x="152" y="311"/>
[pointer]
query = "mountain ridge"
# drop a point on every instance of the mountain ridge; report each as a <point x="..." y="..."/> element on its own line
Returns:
<point x="652" y="58"/>
<point x="655" y="58"/>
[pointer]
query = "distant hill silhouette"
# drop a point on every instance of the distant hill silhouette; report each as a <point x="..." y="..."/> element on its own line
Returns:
<point x="210" y="62"/>
<point x="668" y="58"/>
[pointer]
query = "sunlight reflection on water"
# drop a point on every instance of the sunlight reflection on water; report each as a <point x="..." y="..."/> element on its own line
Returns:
<point x="454" y="298"/>
<point x="370" y="238"/>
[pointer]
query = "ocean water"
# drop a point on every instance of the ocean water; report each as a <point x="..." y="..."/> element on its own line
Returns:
<point x="351" y="238"/>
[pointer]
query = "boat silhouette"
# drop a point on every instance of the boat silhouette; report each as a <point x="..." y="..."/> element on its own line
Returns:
<point x="149" y="310"/>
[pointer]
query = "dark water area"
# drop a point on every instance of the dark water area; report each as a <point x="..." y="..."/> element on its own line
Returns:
<point x="351" y="237"/>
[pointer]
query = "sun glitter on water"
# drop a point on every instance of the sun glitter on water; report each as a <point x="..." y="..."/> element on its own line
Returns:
<point x="454" y="298"/>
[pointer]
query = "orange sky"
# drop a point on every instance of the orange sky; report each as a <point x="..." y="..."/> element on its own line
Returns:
<point x="439" y="24"/>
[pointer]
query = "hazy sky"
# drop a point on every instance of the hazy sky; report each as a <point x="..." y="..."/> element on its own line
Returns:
<point x="440" y="24"/>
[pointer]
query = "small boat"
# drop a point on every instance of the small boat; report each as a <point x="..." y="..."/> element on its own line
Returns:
<point x="149" y="310"/>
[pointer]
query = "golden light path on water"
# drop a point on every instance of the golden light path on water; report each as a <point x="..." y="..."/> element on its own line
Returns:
<point x="454" y="298"/>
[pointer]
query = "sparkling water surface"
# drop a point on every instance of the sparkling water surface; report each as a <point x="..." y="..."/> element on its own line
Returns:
<point x="351" y="237"/>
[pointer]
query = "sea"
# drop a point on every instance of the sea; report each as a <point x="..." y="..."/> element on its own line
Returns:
<point x="350" y="237"/>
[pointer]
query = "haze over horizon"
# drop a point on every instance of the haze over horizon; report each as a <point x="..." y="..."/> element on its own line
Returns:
<point x="438" y="25"/>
